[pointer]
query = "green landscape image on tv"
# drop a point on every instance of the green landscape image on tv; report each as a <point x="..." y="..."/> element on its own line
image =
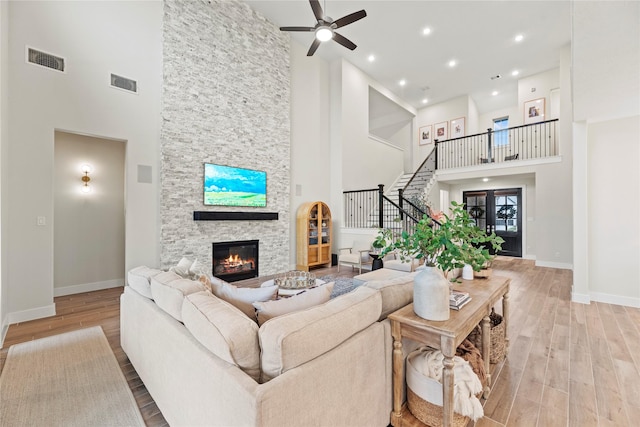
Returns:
<point x="231" y="186"/>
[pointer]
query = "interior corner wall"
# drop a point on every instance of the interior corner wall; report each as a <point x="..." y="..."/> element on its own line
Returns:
<point x="613" y="206"/>
<point x="4" y="44"/>
<point x="535" y="87"/>
<point x="311" y="153"/>
<point x="366" y="161"/>
<point x="226" y="100"/>
<point x="80" y="100"/>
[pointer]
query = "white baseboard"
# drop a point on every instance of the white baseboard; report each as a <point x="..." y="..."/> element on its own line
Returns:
<point x="615" y="299"/>
<point x="87" y="287"/>
<point x="31" y="314"/>
<point x="580" y="298"/>
<point x="550" y="264"/>
<point x="531" y="257"/>
<point x="4" y="327"/>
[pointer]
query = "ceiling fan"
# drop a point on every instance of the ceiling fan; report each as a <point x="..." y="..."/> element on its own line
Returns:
<point x="325" y="28"/>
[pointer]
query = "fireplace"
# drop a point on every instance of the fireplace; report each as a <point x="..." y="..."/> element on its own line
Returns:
<point x="233" y="261"/>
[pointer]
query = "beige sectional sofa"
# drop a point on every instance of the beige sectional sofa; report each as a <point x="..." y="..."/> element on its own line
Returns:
<point x="206" y="363"/>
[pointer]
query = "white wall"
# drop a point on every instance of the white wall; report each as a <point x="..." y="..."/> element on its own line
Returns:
<point x="4" y="46"/>
<point x="535" y="87"/>
<point x="88" y="227"/>
<point x="96" y="38"/>
<point x="310" y="146"/>
<point x="606" y="78"/>
<point x="613" y="205"/>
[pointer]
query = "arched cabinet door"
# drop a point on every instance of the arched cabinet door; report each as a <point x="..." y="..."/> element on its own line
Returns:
<point x="313" y="236"/>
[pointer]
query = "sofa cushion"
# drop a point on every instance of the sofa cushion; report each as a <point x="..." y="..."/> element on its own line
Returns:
<point x="223" y="330"/>
<point x="293" y="339"/>
<point x="266" y="310"/>
<point x="396" y="292"/>
<point x="243" y="298"/>
<point x="169" y="294"/>
<point x="139" y="279"/>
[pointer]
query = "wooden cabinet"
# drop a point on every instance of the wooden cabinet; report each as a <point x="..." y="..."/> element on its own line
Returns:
<point x="313" y="240"/>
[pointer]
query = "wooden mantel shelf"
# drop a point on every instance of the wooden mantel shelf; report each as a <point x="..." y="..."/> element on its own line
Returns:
<point x="234" y="216"/>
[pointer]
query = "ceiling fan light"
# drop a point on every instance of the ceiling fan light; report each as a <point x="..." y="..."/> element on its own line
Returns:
<point x="324" y="33"/>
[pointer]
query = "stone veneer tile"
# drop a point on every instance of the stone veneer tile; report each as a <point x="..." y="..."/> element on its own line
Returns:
<point x="225" y="101"/>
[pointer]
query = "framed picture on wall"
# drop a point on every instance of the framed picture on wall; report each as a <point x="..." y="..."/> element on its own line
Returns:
<point x="534" y="111"/>
<point x="425" y="135"/>
<point x="441" y="131"/>
<point x="458" y="128"/>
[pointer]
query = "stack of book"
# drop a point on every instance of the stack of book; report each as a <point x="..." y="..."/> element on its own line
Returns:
<point x="457" y="299"/>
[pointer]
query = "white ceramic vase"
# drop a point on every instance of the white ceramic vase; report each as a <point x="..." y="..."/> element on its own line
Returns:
<point x="431" y="294"/>
<point x="467" y="272"/>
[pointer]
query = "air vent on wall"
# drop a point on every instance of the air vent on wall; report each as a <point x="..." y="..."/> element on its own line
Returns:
<point x="124" y="83"/>
<point x="45" y="59"/>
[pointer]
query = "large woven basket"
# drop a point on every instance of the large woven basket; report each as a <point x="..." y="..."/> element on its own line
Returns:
<point x="496" y="337"/>
<point x="428" y="408"/>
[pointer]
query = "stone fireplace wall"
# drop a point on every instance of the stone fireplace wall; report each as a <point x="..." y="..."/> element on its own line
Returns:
<point x="225" y="101"/>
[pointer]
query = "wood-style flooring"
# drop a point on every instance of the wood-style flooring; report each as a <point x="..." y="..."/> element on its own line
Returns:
<point x="569" y="364"/>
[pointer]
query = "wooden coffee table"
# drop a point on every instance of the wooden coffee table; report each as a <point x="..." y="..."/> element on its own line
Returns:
<point x="447" y="336"/>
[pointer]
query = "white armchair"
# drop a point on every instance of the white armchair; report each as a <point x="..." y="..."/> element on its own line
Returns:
<point x="356" y="255"/>
<point x="394" y="262"/>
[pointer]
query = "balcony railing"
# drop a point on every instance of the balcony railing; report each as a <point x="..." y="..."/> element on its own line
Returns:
<point x="533" y="141"/>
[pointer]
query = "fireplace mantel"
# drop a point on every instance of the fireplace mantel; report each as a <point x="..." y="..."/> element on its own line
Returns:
<point x="234" y="216"/>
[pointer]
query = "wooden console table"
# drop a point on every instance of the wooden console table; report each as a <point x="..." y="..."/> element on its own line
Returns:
<point x="447" y="336"/>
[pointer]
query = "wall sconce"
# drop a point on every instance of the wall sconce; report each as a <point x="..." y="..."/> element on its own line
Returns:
<point x="86" y="169"/>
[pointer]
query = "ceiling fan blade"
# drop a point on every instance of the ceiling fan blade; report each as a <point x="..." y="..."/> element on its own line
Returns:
<point x="344" y="41"/>
<point x="297" y="29"/>
<point x="314" y="47"/>
<point x="346" y="20"/>
<point x="317" y="9"/>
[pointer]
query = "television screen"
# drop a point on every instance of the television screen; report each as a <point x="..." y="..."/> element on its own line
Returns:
<point x="230" y="186"/>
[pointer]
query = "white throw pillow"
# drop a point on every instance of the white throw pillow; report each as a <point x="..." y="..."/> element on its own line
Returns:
<point x="242" y="298"/>
<point x="182" y="269"/>
<point x="197" y="269"/>
<point x="316" y="296"/>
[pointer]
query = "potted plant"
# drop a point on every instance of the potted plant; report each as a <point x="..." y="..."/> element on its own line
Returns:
<point x="451" y="243"/>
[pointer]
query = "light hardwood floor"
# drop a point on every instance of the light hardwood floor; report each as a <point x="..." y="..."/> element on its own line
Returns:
<point x="569" y="364"/>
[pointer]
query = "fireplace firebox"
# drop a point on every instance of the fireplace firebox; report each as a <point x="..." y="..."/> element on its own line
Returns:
<point x="233" y="261"/>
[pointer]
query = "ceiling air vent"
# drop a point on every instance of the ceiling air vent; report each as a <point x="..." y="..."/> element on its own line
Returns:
<point x="45" y="59"/>
<point x="124" y="83"/>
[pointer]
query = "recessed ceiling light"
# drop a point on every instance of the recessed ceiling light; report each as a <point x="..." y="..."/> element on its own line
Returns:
<point x="402" y="82"/>
<point x="371" y="58"/>
<point x="452" y="63"/>
<point x="485" y="179"/>
<point x="494" y="93"/>
<point x="426" y="31"/>
<point x="519" y="38"/>
<point x="515" y="73"/>
<point x="424" y="101"/>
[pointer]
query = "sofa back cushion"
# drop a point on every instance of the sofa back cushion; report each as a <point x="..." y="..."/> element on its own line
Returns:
<point x="396" y="293"/>
<point x="292" y="339"/>
<point x="223" y="330"/>
<point x="168" y="291"/>
<point x="139" y="279"/>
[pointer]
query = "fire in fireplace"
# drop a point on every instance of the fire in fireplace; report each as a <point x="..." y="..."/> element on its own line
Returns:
<point x="236" y="260"/>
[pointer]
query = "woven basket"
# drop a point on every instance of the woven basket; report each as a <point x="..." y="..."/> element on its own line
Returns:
<point x="429" y="409"/>
<point x="496" y="336"/>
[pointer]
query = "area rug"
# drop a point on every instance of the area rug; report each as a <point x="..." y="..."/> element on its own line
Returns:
<point x="342" y="284"/>
<point x="71" y="379"/>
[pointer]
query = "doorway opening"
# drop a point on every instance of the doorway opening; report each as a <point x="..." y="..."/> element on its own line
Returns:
<point x="498" y="211"/>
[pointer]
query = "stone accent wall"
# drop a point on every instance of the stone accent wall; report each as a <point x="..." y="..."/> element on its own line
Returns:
<point x="225" y="101"/>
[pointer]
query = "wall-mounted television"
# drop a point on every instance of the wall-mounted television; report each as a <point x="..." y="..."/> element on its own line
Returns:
<point x="231" y="186"/>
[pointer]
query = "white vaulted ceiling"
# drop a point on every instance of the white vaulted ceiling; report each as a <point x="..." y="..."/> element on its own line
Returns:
<point x="478" y="35"/>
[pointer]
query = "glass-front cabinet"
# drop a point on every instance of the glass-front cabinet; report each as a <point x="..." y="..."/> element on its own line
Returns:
<point x="313" y="236"/>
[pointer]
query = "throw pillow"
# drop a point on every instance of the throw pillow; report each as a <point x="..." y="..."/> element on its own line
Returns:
<point x="316" y="296"/>
<point x="242" y="298"/>
<point x="182" y="269"/>
<point x="197" y="269"/>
